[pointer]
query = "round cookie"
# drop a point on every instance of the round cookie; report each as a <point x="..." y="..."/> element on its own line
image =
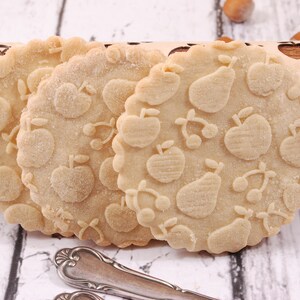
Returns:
<point x="215" y="167"/>
<point x="21" y="70"/>
<point x="65" y="144"/>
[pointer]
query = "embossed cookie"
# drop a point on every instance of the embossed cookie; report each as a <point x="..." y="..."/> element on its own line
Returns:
<point x="65" y="144"/>
<point x="21" y="70"/>
<point x="208" y="150"/>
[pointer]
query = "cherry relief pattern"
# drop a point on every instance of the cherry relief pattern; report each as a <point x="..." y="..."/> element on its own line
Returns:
<point x="146" y="214"/>
<point x="194" y="141"/>
<point x="90" y="130"/>
<point x="83" y="98"/>
<point x="61" y="218"/>
<point x="212" y="101"/>
<point x="23" y="68"/>
<point x="93" y="224"/>
<point x="240" y="184"/>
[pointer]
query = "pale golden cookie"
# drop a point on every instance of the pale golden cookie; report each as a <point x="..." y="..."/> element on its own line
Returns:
<point x="65" y="144"/>
<point x="21" y="70"/>
<point x="208" y="150"/>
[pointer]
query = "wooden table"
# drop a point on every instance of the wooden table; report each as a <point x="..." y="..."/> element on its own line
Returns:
<point x="268" y="271"/>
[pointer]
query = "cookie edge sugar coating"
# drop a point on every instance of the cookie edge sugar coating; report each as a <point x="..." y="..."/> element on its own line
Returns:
<point x="48" y="112"/>
<point x="22" y="210"/>
<point x="162" y="202"/>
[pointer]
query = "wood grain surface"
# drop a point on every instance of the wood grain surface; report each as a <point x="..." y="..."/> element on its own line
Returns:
<point x="268" y="271"/>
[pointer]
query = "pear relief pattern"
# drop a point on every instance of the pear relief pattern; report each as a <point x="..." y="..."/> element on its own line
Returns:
<point x="250" y="139"/>
<point x="225" y="114"/>
<point x="234" y="236"/>
<point x="177" y="235"/>
<point x="211" y="93"/>
<point x="198" y="199"/>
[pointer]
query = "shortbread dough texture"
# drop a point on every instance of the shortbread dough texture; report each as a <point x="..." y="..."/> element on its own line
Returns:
<point x="21" y="70"/>
<point x="65" y="144"/>
<point x="208" y="149"/>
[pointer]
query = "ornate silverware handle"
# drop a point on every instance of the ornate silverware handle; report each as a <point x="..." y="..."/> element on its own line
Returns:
<point x="79" y="295"/>
<point x="88" y="269"/>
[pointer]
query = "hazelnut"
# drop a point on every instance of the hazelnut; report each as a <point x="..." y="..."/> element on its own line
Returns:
<point x="238" y="11"/>
<point x="225" y="39"/>
<point x="296" y="36"/>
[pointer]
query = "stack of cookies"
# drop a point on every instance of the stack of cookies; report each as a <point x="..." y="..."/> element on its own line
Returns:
<point x="122" y="144"/>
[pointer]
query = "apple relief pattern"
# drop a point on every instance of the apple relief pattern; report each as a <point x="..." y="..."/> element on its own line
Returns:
<point x="249" y="139"/>
<point x="23" y="68"/>
<point x="197" y="108"/>
<point x="65" y="143"/>
<point x="290" y="146"/>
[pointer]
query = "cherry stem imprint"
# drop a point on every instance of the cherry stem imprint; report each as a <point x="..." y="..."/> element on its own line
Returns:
<point x="93" y="224"/>
<point x="265" y="217"/>
<point x="142" y="188"/>
<point x="293" y="127"/>
<point x="252" y="195"/>
<point x="193" y="119"/>
<point x="88" y="130"/>
<point x="9" y="139"/>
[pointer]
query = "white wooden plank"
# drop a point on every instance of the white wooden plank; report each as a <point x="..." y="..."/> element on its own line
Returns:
<point x="23" y="20"/>
<point x="272" y="269"/>
<point x="277" y="259"/>
<point x="8" y="235"/>
<point x="202" y="273"/>
<point x="193" y="21"/>
<point x="271" y="20"/>
<point x="131" y="20"/>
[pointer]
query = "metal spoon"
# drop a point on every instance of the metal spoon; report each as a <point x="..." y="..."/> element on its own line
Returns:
<point x="88" y="269"/>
